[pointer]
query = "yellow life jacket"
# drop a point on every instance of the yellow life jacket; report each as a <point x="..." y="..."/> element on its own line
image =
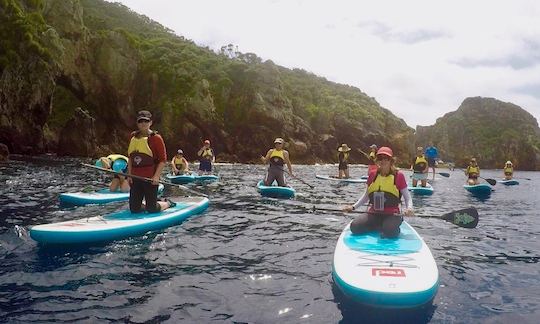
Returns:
<point x="343" y="156"/>
<point x="207" y="154"/>
<point x="420" y="164"/>
<point x="114" y="157"/>
<point x="388" y="186"/>
<point x="508" y="170"/>
<point x="473" y="170"/>
<point x="179" y="163"/>
<point x="139" y="152"/>
<point x="372" y="158"/>
<point x="277" y="157"/>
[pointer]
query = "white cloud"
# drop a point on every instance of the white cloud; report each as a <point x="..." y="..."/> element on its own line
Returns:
<point x="419" y="59"/>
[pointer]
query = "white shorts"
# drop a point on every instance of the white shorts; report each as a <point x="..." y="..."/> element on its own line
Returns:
<point x="419" y="176"/>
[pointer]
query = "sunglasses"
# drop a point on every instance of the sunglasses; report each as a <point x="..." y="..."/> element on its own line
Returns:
<point x="142" y="121"/>
<point x="383" y="158"/>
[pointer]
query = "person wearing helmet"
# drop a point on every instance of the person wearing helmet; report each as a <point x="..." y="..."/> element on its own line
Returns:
<point x="118" y="163"/>
<point x="384" y="192"/>
<point x="179" y="163"/>
<point x="206" y="158"/>
<point x="508" y="170"/>
<point x="277" y="158"/>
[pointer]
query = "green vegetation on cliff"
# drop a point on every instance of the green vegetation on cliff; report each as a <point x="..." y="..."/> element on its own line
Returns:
<point x="488" y="129"/>
<point x="113" y="62"/>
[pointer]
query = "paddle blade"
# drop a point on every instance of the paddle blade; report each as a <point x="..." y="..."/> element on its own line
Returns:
<point x="467" y="218"/>
<point x="491" y="181"/>
<point x="444" y="174"/>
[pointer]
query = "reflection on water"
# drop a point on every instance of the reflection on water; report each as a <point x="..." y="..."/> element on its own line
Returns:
<point x="254" y="259"/>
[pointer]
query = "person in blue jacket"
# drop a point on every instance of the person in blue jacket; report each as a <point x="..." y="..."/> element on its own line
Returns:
<point x="431" y="154"/>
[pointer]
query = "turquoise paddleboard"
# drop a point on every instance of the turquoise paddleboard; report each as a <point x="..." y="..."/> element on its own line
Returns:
<point x="385" y="272"/>
<point x="275" y="191"/>
<point x="117" y="225"/>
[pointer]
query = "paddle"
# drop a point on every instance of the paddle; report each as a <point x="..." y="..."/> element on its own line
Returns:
<point x="520" y="178"/>
<point x="145" y="179"/>
<point x="490" y="181"/>
<point x="467" y="218"/>
<point x="444" y="174"/>
<point x="307" y="184"/>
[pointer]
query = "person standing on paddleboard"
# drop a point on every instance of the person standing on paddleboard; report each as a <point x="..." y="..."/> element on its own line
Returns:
<point x="385" y="188"/>
<point x="118" y="163"/>
<point x="277" y="157"/>
<point x="372" y="157"/>
<point x="431" y="154"/>
<point x="420" y="168"/>
<point x="206" y="158"/>
<point x="343" y="159"/>
<point x="147" y="158"/>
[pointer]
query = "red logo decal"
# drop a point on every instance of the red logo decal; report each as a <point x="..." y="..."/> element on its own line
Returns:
<point x="387" y="272"/>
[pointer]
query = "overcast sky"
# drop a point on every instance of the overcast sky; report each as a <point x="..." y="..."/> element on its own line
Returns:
<point x="419" y="59"/>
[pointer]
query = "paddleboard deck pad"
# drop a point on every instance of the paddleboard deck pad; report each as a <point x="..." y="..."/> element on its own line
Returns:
<point x="102" y="196"/>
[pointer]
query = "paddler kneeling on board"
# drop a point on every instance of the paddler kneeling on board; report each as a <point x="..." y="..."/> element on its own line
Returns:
<point x="179" y="163"/>
<point x="277" y="157"/>
<point x="118" y="163"/>
<point x="508" y="170"/>
<point x="472" y="172"/>
<point x="384" y="190"/>
<point x="147" y="158"/>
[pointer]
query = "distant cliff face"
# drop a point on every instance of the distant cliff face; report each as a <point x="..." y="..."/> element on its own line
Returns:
<point x="74" y="73"/>
<point x="488" y="129"/>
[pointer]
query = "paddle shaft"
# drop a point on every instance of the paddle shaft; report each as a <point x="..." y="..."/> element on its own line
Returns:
<point x="307" y="184"/>
<point x="144" y="179"/>
<point x="466" y="218"/>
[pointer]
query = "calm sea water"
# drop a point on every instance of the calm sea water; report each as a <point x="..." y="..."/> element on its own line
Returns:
<point x="249" y="259"/>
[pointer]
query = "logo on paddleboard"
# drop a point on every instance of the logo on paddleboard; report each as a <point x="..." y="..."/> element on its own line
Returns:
<point x="387" y="272"/>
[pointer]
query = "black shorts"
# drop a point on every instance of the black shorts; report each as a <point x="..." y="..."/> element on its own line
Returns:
<point x="431" y="162"/>
<point x="343" y="166"/>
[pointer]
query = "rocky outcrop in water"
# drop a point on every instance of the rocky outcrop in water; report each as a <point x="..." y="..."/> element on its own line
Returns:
<point x="488" y="129"/>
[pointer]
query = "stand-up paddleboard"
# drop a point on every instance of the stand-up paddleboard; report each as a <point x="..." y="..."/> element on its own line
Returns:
<point x="509" y="182"/>
<point x="96" y="197"/>
<point x="275" y="191"/>
<point x="479" y="189"/>
<point x="384" y="272"/>
<point x="181" y="178"/>
<point x="117" y="225"/>
<point x="419" y="190"/>
<point x="362" y="179"/>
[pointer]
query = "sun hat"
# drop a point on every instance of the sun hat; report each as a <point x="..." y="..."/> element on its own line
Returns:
<point x="344" y="148"/>
<point x="206" y="141"/>
<point x="385" y="151"/>
<point x="419" y="148"/>
<point x="278" y="140"/>
<point x="180" y="151"/>
<point x="373" y="146"/>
